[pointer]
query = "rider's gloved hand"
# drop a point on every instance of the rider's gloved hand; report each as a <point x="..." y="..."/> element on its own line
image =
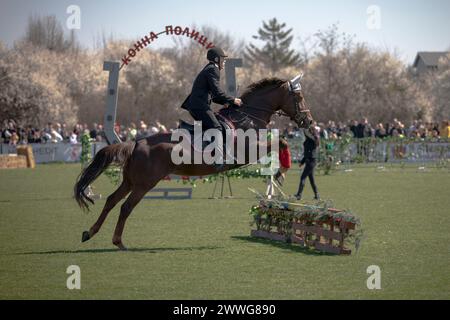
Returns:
<point x="238" y="102"/>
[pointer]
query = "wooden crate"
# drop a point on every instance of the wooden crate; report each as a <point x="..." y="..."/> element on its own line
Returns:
<point x="13" y="161"/>
<point x="27" y="151"/>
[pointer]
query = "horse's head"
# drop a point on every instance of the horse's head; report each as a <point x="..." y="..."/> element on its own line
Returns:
<point x="295" y="105"/>
<point x="270" y="95"/>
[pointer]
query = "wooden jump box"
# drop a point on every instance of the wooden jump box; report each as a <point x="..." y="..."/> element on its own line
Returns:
<point x="13" y="161"/>
<point x="23" y="159"/>
<point x="27" y="151"/>
<point x="325" y="235"/>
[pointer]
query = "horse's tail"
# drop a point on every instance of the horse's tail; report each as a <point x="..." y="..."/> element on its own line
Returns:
<point x="117" y="153"/>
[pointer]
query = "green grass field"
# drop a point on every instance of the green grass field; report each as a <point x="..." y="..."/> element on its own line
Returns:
<point x="201" y="249"/>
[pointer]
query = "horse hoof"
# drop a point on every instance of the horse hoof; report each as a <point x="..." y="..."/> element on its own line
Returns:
<point x="85" y="237"/>
<point x="120" y="246"/>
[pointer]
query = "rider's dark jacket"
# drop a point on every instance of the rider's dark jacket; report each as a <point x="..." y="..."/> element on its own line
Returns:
<point x="206" y="88"/>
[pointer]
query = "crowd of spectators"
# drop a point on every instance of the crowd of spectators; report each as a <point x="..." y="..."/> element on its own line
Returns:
<point x="12" y="133"/>
<point x="364" y="129"/>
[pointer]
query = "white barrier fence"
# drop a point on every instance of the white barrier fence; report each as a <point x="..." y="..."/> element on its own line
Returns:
<point x="378" y="152"/>
<point x="403" y="152"/>
<point x="54" y="152"/>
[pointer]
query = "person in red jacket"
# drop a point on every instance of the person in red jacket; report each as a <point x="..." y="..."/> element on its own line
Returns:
<point x="284" y="155"/>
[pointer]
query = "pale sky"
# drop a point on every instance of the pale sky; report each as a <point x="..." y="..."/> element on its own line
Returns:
<point x="405" y="26"/>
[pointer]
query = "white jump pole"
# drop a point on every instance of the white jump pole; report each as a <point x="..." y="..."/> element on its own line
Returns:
<point x="111" y="101"/>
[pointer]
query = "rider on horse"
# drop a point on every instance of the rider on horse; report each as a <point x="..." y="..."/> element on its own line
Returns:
<point x="205" y="87"/>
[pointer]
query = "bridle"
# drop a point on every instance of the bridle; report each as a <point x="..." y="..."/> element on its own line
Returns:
<point x="300" y="116"/>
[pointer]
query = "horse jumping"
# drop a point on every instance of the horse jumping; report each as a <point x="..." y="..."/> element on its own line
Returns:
<point x="147" y="161"/>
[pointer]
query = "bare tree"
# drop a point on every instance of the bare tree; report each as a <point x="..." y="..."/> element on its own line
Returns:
<point x="47" y="32"/>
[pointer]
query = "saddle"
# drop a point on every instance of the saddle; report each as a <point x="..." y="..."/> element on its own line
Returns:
<point x="224" y="122"/>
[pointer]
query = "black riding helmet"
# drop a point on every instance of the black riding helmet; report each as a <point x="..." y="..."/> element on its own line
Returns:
<point x="214" y="54"/>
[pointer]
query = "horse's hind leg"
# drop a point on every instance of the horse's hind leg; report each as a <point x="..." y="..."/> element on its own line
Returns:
<point x="149" y="169"/>
<point x="125" y="210"/>
<point x="111" y="202"/>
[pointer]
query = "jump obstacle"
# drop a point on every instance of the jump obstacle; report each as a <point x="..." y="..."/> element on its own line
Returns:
<point x="23" y="159"/>
<point x="317" y="227"/>
<point x="222" y="183"/>
<point x="170" y="193"/>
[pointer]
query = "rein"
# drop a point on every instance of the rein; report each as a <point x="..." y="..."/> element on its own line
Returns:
<point x="299" y="117"/>
<point x="247" y="115"/>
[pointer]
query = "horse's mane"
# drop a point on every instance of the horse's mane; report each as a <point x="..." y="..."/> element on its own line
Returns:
<point x="261" y="84"/>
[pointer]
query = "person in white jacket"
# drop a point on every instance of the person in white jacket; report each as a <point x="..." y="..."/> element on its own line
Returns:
<point x="74" y="137"/>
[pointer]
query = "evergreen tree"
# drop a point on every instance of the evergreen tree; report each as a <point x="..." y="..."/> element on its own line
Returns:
<point x="275" y="54"/>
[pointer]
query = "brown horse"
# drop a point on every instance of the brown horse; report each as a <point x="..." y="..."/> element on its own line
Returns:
<point x="147" y="161"/>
